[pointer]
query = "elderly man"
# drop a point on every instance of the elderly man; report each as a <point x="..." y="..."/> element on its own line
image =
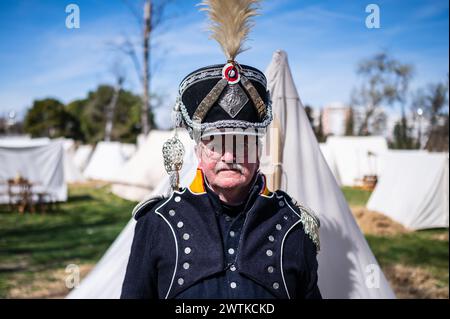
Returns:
<point x="226" y="235"/>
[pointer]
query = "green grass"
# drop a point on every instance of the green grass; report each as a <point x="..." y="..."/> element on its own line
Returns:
<point x="79" y="232"/>
<point x="356" y="197"/>
<point x="418" y="249"/>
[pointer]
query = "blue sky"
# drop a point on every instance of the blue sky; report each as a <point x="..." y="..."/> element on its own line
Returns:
<point x="40" y="57"/>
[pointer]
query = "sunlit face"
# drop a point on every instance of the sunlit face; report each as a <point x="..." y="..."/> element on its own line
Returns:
<point x="228" y="161"/>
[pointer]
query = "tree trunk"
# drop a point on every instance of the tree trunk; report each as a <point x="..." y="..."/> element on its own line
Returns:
<point x="110" y="110"/>
<point x="146" y="76"/>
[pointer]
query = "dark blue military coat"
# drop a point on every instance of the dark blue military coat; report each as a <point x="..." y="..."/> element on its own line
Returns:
<point x="184" y="247"/>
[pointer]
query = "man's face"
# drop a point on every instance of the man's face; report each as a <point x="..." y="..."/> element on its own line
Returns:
<point x="228" y="161"/>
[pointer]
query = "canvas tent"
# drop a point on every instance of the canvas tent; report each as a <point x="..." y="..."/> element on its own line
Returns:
<point x="23" y="141"/>
<point x="413" y="189"/>
<point x="39" y="161"/>
<point x="327" y="154"/>
<point x="353" y="157"/>
<point x="82" y="155"/>
<point x="145" y="169"/>
<point x="72" y="174"/>
<point x="345" y="259"/>
<point x="107" y="159"/>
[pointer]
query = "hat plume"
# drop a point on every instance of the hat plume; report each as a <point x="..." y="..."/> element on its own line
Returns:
<point x="230" y="23"/>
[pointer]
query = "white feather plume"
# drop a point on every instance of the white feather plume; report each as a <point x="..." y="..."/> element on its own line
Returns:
<point x="230" y="23"/>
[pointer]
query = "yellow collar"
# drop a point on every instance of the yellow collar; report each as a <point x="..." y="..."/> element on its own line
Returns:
<point x="198" y="184"/>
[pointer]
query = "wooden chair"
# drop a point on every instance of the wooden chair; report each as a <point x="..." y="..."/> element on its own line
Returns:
<point x="20" y="195"/>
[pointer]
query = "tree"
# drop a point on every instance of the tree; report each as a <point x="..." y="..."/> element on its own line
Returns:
<point x="433" y="103"/>
<point x="150" y="18"/>
<point x="49" y="118"/>
<point x="436" y="103"/>
<point x="111" y="108"/>
<point x="349" y="123"/>
<point x="321" y="138"/>
<point x="94" y="111"/>
<point x="402" y="136"/>
<point x="385" y="80"/>
<point x="309" y="114"/>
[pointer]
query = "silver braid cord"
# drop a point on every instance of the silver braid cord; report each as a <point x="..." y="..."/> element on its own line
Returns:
<point x="177" y="117"/>
<point x="173" y="153"/>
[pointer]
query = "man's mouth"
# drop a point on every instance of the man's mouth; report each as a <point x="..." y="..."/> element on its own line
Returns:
<point x="230" y="169"/>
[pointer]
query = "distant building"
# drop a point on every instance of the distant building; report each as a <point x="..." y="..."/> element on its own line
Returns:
<point x="334" y="119"/>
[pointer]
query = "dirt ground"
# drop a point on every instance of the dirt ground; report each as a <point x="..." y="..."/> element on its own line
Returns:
<point x="413" y="283"/>
<point x="373" y="223"/>
<point x="46" y="284"/>
<point x="406" y="281"/>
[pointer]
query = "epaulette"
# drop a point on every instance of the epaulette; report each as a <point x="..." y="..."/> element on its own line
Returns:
<point x="145" y="206"/>
<point x="309" y="219"/>
<point x="311" y="223"/>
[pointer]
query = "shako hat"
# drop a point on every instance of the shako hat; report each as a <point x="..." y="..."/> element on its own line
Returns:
<point x="226" y="97"/>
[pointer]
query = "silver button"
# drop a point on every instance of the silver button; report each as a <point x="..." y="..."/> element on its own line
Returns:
<point x="187" y="250"/>
<point x="285" y="217"/>
<point x="180" y="281"/>
<point x="186" y="266"/>
<point x="276" y="285"/>
<point x="270" y="269"/>
<point x="180" y="224"/>
<point x="171" y="212"/>
<point x="271" y="238"/>
<point x="178" y="199"/>
<point x="231" y="251"/>
<point x="233" y="285"/>
<point x="281" y="203"/>
<point x="232" y="233"/>
<point x="227" y="218"/>
<point x="269" y="252"/>
<point x="186" y="236"/>
<point x="278" y="227"/>
<point x="233" y="268"/>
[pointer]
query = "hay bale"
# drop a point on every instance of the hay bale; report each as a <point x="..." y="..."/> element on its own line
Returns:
<point x="414" y="283"/>
<point x="374" y="223"/>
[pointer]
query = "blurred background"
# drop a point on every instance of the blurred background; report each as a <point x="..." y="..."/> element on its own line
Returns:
<point x="87" y="89"/>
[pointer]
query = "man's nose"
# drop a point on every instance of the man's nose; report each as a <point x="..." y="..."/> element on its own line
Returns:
<point x="229" y="156"/>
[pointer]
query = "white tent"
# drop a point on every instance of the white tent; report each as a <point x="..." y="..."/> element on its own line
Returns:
<point x="353" y="157"/>
<point x="39" y="161"/>
<point x="23" y="141"/>
<point x="347" y="267"/>
<point x="145" y="170"/>
<point x="72" y="173"/>
<point x="82" y="155"/>
<point x="107" y="159"/>
<point x="413" y="189"/>
<point x="327" y="154"/>
<point x="105" y="280"/>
